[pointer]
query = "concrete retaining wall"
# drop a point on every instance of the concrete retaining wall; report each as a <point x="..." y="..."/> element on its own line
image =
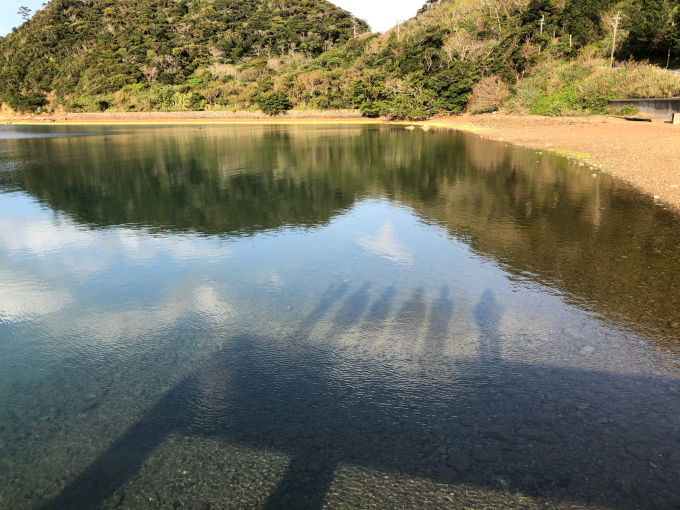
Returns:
<point x="656" y="108"/>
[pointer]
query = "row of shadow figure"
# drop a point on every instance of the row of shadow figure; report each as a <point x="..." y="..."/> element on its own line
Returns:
<point x="316" y="419"/>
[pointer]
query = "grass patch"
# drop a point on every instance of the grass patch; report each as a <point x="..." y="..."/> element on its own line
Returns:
<point x="584" y="87"/>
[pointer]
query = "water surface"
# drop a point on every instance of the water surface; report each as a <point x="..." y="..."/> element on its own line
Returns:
<point x="330" y="317"/>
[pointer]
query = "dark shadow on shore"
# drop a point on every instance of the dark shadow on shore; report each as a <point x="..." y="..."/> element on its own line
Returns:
<point x="507" y="426"/>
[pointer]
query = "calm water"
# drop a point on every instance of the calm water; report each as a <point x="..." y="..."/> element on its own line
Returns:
<point x="330" y="317"/>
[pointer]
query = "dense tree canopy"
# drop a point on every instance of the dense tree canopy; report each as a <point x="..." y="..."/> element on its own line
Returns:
<point x="138" y="55"/>
<point x="650" y="33"/>
<point x="99" y="46"/>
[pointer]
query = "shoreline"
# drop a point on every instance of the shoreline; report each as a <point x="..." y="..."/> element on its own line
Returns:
<point x="192" y="117"/>
<point x="645" y="155"/>
<point x="642" y="154"/>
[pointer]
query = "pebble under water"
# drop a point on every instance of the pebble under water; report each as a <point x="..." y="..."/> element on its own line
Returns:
<point x="313" y="317"/>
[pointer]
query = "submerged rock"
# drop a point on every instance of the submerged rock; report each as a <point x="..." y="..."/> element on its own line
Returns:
<point x="447" y="475"/>
<point x="499" y="432"/>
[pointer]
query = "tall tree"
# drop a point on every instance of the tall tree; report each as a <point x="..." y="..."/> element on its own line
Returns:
<point x="25" y="12"/>
<point x="648" y="24"/>
<point x="583" y="19"/>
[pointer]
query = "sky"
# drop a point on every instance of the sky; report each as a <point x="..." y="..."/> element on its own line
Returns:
<point x="380" y="14"/>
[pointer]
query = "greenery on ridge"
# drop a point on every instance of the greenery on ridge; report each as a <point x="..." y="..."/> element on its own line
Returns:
<point x="89" y="48"/>
<point x="454" y="56"/>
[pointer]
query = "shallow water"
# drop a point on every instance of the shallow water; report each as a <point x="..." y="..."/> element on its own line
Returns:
<point x="330" y="317"/>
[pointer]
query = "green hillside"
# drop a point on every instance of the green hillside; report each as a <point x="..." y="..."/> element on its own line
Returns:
<point x="92" y="47"/>
<point x="528" y="56"/>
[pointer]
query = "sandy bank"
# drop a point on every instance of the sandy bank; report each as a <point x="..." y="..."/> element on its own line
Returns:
<point x="644" y="154"/>
<point x="293" y="116"/>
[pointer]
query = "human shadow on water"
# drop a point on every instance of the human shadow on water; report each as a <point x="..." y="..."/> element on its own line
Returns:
<point x="441" y="312"/>
<point x="353" y="308"/>
<point x="488" y="315"/>
<point x="380" y="309"/>
<point x="410" y="317"/>
<point x="552" y="432"/>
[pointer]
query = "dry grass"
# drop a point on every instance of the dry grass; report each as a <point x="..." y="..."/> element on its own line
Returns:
<point x="589" y="78"/>
<point x="488" y="95"/>
<point x="211" y="94"/>
<point x="285" y="63"/>
<point x="221" y="70"/>
<point x="631" y="83"/>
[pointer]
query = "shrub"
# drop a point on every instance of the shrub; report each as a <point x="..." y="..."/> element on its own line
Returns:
<point x="629" y="109"/>
<point x="632" y="83"/>
<point x="162" y="98"/>
<point x="273" y="103"/>
<point x="597" y="104"/>
<point x="402" y="106"/>
<point x="373" y="109"/>
<point x="196" y="101"/>
<point x="583" y="88"/>
<point x="526" y="93"/>
<point x="558" y="103"/>
<point x="195" y="81"/>
<point x="211" y="94"/>
<point x="488" y="95"/>
<point x="135" y="87"/>
<point x="26" y="103"/>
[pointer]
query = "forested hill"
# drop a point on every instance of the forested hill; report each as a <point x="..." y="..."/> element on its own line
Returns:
<point x="527" y="56"/>
<point x="98" y="46"/>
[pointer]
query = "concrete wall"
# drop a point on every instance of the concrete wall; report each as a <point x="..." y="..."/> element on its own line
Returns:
<point x="656" y="108"/>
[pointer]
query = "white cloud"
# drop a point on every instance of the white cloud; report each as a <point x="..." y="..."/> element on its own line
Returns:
<point x="22" y="299"/>
<point x="386" y="245"/>
<point x="40" y="235"/>
<point x="69" y="253"/>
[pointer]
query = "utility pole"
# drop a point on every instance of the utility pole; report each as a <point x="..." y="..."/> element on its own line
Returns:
<point x="355" y="31"/>
<point x="616" y="20"/>
<point x="669" y="52"/>
<point x="570" y="40"/>
<point x="542" y="22"/>
<point x="399" y="22"/>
